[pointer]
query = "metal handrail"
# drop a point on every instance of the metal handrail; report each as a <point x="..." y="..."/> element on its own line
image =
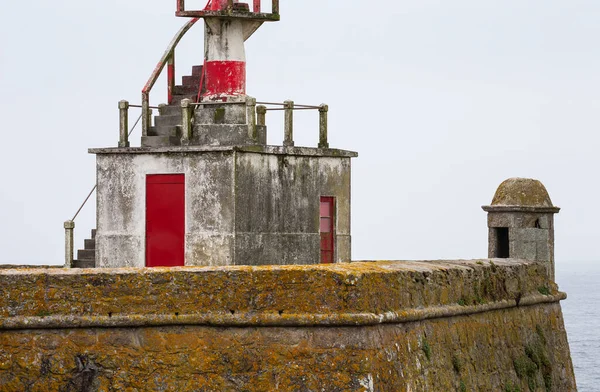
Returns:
<point x="167" y="58"/>
<point x="229" y="10"/>
<point x="295" y="108"/>
<point x="256" y="116"/>
<point x="70" y="224"/>
<point x="289" y="107"/>
<point x="84" y="202"/>
<point x="283" y="104"/>
<point x="140" y="106"/>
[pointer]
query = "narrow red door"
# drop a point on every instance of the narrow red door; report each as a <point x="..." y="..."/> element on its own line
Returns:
<point x="165" y="220"/>
<point x="327" y="228"/>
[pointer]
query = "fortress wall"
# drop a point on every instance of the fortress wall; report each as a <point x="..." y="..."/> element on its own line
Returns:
<point x="378" y="326"/>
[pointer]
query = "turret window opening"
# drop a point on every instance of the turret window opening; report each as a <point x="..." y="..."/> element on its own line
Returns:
<point x="502" y="243"/>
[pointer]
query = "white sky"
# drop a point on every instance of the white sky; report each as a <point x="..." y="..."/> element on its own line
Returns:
<point x="443" y="100"/>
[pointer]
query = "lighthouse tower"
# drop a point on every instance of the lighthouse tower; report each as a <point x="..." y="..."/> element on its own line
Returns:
<point x="203" y="187"/>
<point x="224" y="56"/>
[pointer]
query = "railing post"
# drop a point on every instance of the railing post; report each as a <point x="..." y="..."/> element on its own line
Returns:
<point x="229" y="5"/>
<point x="180" y="5"/>
<point x="251" y="117"/>
<point x="161" y="108"/>
<point x="123" y="124"/>
<point x="261" y="115"/>
<point x="69" y="254"/>
<point x="170" y="76"/>
<point x="288" y="140"/>
<point x="186" y="122"/>
<point x="275" y="7"/>
<point x="323" y="109"/>
<point x="145" y="114"/>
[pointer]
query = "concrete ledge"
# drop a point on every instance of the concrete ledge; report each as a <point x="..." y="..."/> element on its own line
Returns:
<point x="270" y="150"/>
<point x="539" y="210"/>
<point x="27" y="266"/>
<point x="247" y="319"/>
<point x="361" y="293"/>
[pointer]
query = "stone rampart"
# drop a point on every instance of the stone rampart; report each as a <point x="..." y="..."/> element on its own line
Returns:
<point x="372" y="326"/>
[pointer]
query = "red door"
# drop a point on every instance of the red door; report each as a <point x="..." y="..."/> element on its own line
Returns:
<point x="327" y="228"/>
<point x="165" y="220"/>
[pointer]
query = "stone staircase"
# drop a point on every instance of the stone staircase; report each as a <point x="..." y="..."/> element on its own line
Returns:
<point x="167" y="125"/>
<point x="86" y="257"/>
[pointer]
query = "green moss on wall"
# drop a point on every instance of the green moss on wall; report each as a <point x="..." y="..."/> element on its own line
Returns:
<point x="426" y="348"/>
<point x="535" y="362"/>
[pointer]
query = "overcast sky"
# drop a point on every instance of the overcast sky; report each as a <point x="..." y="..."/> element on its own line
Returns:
<point x="443" y="100"/>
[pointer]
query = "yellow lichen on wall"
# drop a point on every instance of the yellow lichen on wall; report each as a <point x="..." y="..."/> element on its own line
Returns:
<point x="385" y="326"/>
<point x="478" y="351"/>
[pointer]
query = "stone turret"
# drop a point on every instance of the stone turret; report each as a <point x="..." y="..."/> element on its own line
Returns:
<point x="521" y="222"/>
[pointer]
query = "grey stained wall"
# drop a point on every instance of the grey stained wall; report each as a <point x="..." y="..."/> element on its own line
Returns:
<point x="277" y="207"/>
<point x="530" y="236"/>
<point x="244" y="205"/>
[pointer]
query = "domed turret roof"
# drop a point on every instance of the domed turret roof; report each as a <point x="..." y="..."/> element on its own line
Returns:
<point x="522" y="192"/>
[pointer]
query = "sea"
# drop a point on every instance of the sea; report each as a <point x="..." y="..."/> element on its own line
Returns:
<point x="581" y="311"/>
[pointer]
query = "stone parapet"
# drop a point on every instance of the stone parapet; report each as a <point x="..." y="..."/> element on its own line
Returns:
<point x="481" y="325"/>
<point x="363" y="293"/>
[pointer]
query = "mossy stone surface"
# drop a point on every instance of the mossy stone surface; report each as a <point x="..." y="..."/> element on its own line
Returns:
<point x="522" y="192"/>
<point x="233" y="346"/>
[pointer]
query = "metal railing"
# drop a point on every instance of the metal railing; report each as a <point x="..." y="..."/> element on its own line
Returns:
<point x="288" y="129"/>
<point x="213" y="9"/>
<point x="123" y="142"/>
<point x="168" y="59"/>
<point x="256" y="115"/>
<point x="124" y="131"/>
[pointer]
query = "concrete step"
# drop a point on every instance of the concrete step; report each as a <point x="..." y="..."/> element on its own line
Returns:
<point x="165" y="120"/>
<point x="171" y="110"/>
<point x="182" y="90"/>
<point x="86" y="258"/>
<point x="197" y="70"/>
<point x="227" y="135"/>
<point x="89" y="244"/>
<point x="168" y="130"/>
<point x="221" y="114"/>
<point x="160" y="141"/>
<point x="177" y="98"/>
<point x="84" y="263"/>
<point x="243" y="7"/>
<point x="191" y="81"/>
<point x="87" y="254"/>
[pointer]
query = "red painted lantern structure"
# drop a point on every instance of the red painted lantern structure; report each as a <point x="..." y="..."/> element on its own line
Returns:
<point x="228" y="24"/>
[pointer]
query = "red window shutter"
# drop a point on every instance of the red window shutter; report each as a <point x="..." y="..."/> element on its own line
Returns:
<point x="165" y="220"/>
<point x="327" y="228"/>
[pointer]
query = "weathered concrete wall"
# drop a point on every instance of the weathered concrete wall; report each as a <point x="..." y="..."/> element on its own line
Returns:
<point x="382" y="326"/>
<point x="252" y="205"/>
<point x="121" y="205"/>
<point x="277" y="207"/>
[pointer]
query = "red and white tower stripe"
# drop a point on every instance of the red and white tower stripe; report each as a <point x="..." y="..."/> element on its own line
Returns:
<point x="224" y="56"/>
